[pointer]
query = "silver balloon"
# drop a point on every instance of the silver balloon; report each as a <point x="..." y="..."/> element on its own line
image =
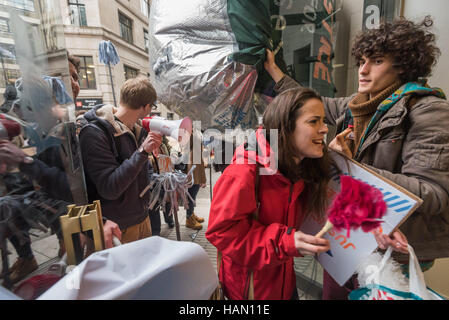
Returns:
<point x="191" y="43"/>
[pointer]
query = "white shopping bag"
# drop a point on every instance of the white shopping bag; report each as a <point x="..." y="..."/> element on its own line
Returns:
<point x="152" y="268"/>
<point x="380" y="289"/>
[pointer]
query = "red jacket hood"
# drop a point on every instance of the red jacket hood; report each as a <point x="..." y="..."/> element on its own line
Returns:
<point x="257" y="150"/>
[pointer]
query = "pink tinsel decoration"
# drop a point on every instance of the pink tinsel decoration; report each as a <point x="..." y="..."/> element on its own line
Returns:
<point x="357" y="205"/>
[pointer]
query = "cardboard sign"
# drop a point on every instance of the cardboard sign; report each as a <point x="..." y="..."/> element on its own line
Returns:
<point x="346" y="253"/>
<point x="165" y="164"/>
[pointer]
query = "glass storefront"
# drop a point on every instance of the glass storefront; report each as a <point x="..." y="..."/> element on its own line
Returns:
<point x="38" y="139"/>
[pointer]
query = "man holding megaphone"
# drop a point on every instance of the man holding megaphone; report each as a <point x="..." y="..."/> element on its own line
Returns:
<point x="115" y="151"/>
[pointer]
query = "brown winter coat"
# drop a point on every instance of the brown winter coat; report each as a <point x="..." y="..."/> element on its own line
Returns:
<point x="199" y="173"/>
<point x="409" y="145"/>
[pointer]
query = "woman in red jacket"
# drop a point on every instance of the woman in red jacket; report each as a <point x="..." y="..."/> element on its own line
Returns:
<point x="258" y="252"/>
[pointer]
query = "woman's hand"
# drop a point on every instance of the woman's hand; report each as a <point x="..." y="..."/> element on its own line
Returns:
<point x="397" y="241"/>
<point x="307" y="244"/>
<point x="339" y="143"/>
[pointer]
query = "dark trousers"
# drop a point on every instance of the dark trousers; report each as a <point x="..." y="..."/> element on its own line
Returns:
<point x="23" y="250"/>
<point x="155" y="218"/>
<point x="193" y="191"/>
<point x="333" y="291"/>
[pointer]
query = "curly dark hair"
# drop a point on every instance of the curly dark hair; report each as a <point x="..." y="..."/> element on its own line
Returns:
<point x="410" y="44"/>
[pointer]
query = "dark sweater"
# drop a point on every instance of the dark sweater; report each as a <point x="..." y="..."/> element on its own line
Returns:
<point x="116" y="173"/>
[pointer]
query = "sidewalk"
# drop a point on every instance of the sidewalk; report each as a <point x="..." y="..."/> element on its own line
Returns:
<point x="309" y="276"/>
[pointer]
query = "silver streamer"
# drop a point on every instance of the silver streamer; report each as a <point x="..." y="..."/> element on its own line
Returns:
<point x="190" y="47"/>
<point x="175" y="186"/>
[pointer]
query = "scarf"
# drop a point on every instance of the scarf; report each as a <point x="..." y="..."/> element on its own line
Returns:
<point x="410" y="88"/>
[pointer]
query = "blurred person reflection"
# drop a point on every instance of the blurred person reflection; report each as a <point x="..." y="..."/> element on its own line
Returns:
<point x="40" y="104"/>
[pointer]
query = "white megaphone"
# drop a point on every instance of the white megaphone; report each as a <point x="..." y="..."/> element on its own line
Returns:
<point x="177" y="129"/>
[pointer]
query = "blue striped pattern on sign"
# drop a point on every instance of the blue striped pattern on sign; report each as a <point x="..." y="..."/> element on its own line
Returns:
<point x="394" y="202"/>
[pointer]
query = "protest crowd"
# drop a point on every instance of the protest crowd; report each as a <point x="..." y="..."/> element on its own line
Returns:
<point x="271" y="184"/>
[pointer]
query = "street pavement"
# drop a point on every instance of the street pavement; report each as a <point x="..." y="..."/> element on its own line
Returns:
<point x="309" y="274"/>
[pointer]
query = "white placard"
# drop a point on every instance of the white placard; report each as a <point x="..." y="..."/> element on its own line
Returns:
<point x="348" y="252"/>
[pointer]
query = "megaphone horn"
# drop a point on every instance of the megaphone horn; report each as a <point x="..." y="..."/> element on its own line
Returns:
<point x="177" y="129"/>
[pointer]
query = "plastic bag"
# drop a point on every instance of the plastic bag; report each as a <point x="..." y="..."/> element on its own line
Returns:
<point x="385" y="281"/>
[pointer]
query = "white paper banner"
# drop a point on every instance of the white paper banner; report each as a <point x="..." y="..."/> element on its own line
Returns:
<point x="152" y="268"/>
<point x="346" y="253"/>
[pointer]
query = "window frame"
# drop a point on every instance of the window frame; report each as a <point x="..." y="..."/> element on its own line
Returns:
<point x="129" y="36"/>
<point x="26" y="5"/>
<point x="146" y="40"/>
<point x="127" y="68"/>
<point x="145" y="7"/>
<point x="81" y="15"/>
<point x="6" y="23"/>
<point x="84" y="67"/>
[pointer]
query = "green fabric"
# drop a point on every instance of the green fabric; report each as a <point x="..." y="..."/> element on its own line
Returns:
<point x="259" y="24"/>
<point x="253" y="29"/>
<point x="251" y="25"/>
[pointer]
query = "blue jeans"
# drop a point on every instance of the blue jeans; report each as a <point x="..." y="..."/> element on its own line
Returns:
<point x="193" y="191"/>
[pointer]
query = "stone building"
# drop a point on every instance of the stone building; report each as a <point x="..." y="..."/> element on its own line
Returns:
<point x="125" y="24"/>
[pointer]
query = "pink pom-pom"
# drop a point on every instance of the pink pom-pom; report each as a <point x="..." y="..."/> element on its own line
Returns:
<point x="357" y="205"/>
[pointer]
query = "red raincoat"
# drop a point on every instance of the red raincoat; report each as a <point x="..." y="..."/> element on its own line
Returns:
<point x="265" y="246"/>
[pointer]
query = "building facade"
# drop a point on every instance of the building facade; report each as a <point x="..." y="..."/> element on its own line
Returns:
<point x="125" y="24"/>
<point x="27" y="10"/>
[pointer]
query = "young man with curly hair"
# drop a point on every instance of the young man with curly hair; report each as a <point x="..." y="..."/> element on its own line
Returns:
<point x="397" y="126"/>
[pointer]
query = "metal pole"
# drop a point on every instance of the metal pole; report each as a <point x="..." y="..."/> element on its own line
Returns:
<point x="402" y="8"/>
<point x="178" y="232"/>
<point x="112" y="84"/>
<point x="210" y="180"/>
